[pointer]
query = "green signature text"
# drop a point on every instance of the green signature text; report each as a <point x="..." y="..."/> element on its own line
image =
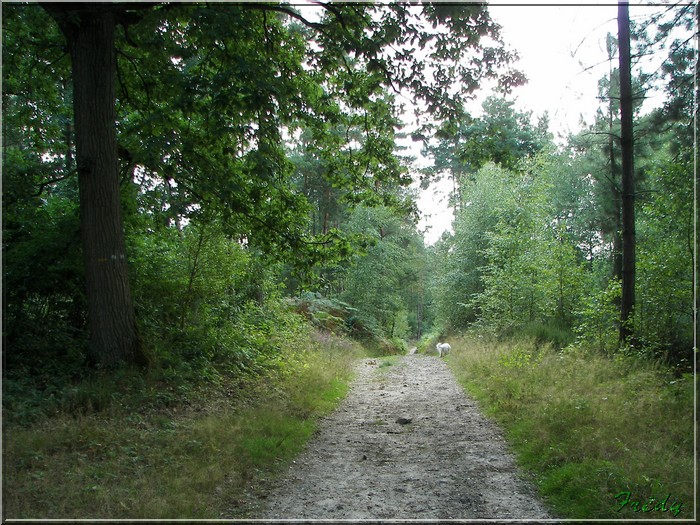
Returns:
<point x="652" y="505"/>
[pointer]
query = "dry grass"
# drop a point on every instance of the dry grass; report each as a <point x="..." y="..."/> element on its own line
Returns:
<point x="586" y="426"/>
<point x="196" y="462"/>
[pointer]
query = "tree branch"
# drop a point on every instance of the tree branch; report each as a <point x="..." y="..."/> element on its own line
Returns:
<point x="289" y="12"/>
<point x="43" y="185"/>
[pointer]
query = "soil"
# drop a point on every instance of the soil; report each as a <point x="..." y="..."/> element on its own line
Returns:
<point x="406" y="443"/>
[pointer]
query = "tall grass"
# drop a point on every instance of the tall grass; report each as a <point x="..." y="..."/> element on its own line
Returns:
<point x="588" y="428"/>
<point x="197" y="461"/>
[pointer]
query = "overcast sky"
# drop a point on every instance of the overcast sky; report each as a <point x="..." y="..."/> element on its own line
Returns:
<point x="562" y="52"/>
<point x="556" y="45"/>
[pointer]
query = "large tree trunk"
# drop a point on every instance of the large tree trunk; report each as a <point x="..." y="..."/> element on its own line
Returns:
<point x="89" y="30"/>
<point x="627" y="146"/>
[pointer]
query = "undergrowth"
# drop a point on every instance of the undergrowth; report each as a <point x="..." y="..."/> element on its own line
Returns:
<point x="589" y="428"/>
<point x="195" y="456"/>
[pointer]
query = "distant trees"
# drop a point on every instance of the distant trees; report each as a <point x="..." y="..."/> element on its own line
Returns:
<point x="558" y="243"/>
<point x="516" y="258"/>
<point x="187" y="113"/>
<point x="387" y="283"/>
<point x="463" y="144"/>
<point x="382" y="273"/>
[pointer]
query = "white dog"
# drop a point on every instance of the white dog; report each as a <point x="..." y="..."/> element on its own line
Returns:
<point x="443" y="348"/>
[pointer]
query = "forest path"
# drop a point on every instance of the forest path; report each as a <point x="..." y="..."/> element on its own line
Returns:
<point x="368" y="461"/>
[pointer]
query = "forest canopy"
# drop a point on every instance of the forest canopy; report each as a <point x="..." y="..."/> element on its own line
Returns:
<point x="146" y="142"/>
<point x="210" y="220"/>
<point x="175" y="176"/>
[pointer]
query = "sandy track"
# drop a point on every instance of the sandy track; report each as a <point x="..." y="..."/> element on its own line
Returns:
<point x="368" y="462"/>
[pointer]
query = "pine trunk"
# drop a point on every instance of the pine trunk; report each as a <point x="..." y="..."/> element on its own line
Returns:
<point x="615" y="190"/>
<point x="627" y="193"/>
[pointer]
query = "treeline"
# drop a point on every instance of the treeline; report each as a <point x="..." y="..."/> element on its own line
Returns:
<point x="257" y="178"/>
<point x="537" y="242"/>
<point x="181" y="181"/>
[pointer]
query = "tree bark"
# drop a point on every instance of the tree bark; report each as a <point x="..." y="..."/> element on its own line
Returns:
<point x="614" y="172"/>
<point x="627" y="190"/>
<point x="89" y="30"/>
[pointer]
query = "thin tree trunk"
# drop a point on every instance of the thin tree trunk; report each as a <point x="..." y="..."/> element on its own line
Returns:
<point x="68" y="130"/>
<point x="194" y="270"/>
<point x="617" y="240"/>
<point x="627" y="146"/>
<point x="614" y="172"/>
<point x="89" y="30"/>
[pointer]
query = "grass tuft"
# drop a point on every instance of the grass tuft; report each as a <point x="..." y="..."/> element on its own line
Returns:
<point x="188" y="461"/>
<point x="586" y="426"/>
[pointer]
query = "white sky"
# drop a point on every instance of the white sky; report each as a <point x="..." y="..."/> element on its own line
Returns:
<point x="562" y="52"/>
<point x="556" y="44"/>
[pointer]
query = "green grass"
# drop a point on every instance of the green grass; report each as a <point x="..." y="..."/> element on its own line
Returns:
<point x="585" y="426"/>
<point x="388" y="361"/>
<point x="196" y="461"/>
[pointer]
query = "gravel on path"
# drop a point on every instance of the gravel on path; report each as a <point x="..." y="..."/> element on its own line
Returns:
<point x="406" y="443"/>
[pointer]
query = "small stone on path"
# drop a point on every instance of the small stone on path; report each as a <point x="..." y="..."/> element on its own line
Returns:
<point x="452" y="450"/>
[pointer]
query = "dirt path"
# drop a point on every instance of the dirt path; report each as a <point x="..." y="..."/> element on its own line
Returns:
<point x="405" y="444"/>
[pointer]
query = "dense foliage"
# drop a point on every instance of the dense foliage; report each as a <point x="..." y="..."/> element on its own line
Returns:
<point x="256" y="159"/>
<point x="262" y="217"/>
<point x="537" y="233"/>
